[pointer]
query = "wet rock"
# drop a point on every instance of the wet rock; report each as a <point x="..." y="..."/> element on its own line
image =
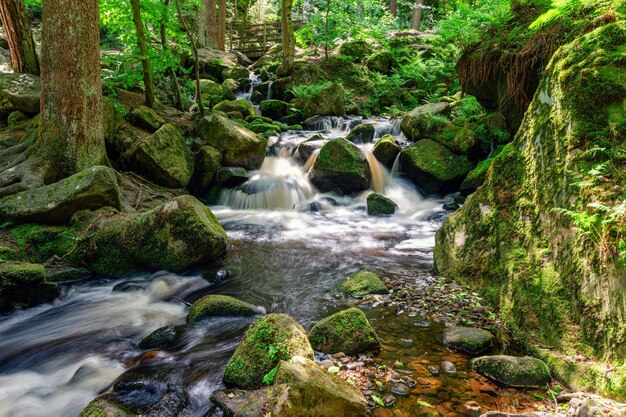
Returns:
<point x="162" y="338"/>
<point x="214" y="305"/>
<point x="239" y="146"/>
<point x="389" y="399"/>
<point x="329" y="101"/>
<point x="231" y="177"/>
<point x="146" y="118"/>
<point x="90" y="189"/>
<point x="206" y="169"/>
<point x="513" y="371"/>
<point x="379" y="205"/>
<point x="254" y="358"/>
<point x="306" y="148"/>
<point x="467" y="339"/>
<point x="24" y="285"/>
<point x="234" y="402"/>
<point x="426" y="121"/>
<point x="174" y="236"/>
<point x="244" y="107"/>
<point x="104" y="408"/>
<point x="363" y="283"/>
<point x="363" y="133"/>
<point x="448" y="368"/>
<point x="19" y="92"/>
<point x="451" y="206"/>
<point x="348" y="331"/>
<point x="386" y="150"/>
<point x="341" y="167"/>
<point x="66" y="273"/>
<point x="469" y="409"/>
<point x="434" y="371"/>
<point x="327" y="363"/>
<point x="400" y="389"/>
<point x="236" y="73"/>
<point x="164" y="158"/>
<point x="275" y="109"/>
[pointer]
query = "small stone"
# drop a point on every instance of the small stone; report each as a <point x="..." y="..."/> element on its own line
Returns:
<point x="389" y="399"/>
<point x="400" y="389"/>
<point x="448" y="367"/>
<point x="327" y="363"/>
<point x="433" y="370"/>
<point x="470" y="409"/>
<point x="338" y="355"/>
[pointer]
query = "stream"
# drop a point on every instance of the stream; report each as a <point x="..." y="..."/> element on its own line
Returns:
<point x="290" y="247"/>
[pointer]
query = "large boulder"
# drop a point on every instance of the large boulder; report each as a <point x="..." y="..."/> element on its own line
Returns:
<point x="386" y="150"/>
<point x="236" y="106"/>
<point x="239" y="146"/>
<point x="102" y="408"/>
<point x="433" y="167"/>
<point x="476" y="177"/>
<point x="174" y="236"/>
<point x="357" y="50"/>
<point x="459" y="139"/>
<point x="164" y="158"/>
<point x="275" y="109"/>
<point x="206" y="170"/>
<point x="341" y="167"/>
<point x="329" y="100"/>
<point x="467" y="339"/>
<point x="348" y="331"/>
<point x="24" y="285"/>
<point x="513" y="371"/>
<point x="363" y="283"/>
<point x="269" y="340"/>
<point x="90" y="189"/>
<point x="363" y="133"/>
<point x="215" y="305"/>
<point x="19" y="92"/>
<point x="426" y="121"/>
<point x="213" y="93"/>
<point x="213" y="62"/>
<point x="146" y="118"/>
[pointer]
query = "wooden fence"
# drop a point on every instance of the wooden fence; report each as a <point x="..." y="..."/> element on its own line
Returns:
<point x="254" y="40"/>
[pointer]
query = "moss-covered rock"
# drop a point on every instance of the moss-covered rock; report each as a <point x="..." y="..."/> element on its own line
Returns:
<point x="357" y="50"/>
<point x="162" y="338"/>
<point x="386" y="150"/>
<point x="269" y="340"/>
<point x="433" y="167"/>
<point x="348" y="331"/>
<point x="19" y="92"/>
<point x="275" y="109"/>
<point x="341" y="167"/>
<point x="467" y="339"/>
<point x="104" y="408"/>
<point x="231" y="177"/>
<point x="513" y="371"/>
<point x="164" y="158"/>
<point x="90" y="189"/>
<point x="146" y="118"/>
<point x="379" y="205"/>
<point x="39" y="243"/>
<point x="112" y="121"/>
<point x="426" y="121"/>
<point x="206" y="169"/>
<point x="329" y="100"/>
<point x="239" y="146"/>
<point x="16" y="117"/>
<point x="380" y="61"/>
<point x="315" y="392"/>
<point x="363" y="133"/>
<point x="214" y="305"/>
<point x="213" y="62"/>
<point x="528" y="239"/>
<point x="236" y="73"/>
<point x="174" y="236"/>
<point x="459" y="139"/>
<point x="476" y="177"/>
<point x="214" y="93"/>
<point x="24" y="285"/>
<point x="363" y="283"/>
<point x="244" y="107"/>
<point x="245" y="403"/>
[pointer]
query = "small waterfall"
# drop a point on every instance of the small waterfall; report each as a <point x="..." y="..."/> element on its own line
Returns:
<point x="388" y="127"/>
<point x="381" y="177"/>
<point x="309" y="163"/>
<point x="247" y="93"/>
<point x="280" y="184"/>
<point x="269" y="91"/>
<point x="395" y="168"/>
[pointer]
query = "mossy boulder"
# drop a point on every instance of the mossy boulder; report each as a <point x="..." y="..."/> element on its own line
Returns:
<point x="341" y="167"/>
<point x="275" y="109"/>
<point x="213" y="62"/>
<point x="164" y="158"/>
<point x="476" y="177"/>
<point x="90" y="189"/>
<point x="146" y="118"/>
<point x="236" y="73"/>
<point x="363" y="283"/>
<point x="40" y="243"/>
<point x="348" y="331"/>
<point x="269" y="340"/>
<point x="459" y="139"/>
<point x="174" y="236"/>
<point x="214" y="305"/>
<point x="162" y="338"/>
<point x="19" y="92"/>
<point x="239" y="146"/>
<point x="513" y="371"/>
<point x="231" y="177"/>
<point x="206" y="169"/>
<point x="312" y="391"/>
<point x="24" y="285"/>
<point x="214" y="93"/>
<point x="467" y="339"/>
<point x="329" y="100"/>
<point x="243" y="107"/>
<point x="381" y="61"/>
<point x="386" y="150"/>
<point x="105" y="408"/>
<point x="426" y="121"/>
<point x="363" y="133"/>
<point x="358" y="50"/>
<point x="379" y="205"/>
<point x="433" y="167"/>
<point x="16" y="117"/>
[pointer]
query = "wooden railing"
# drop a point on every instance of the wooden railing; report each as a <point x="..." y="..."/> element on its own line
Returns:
<point x="254" y="40"/>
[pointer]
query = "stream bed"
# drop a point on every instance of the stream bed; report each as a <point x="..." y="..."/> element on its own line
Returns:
<point x="290" y="247"/>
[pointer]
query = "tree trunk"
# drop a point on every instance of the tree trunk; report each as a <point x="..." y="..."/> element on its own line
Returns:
<point x="393" y="7"/>
<point x="289" y="42"/>
<point x="19" y="36"/>
<point x="72" y="133"/>
<point x="178" y="102"/>
<point x="221" y="23"/>
<point x="194" y="47"/>
<point x="416" y="20"/>
<point x="207" y="25"/>
<point x="142" y="43"/>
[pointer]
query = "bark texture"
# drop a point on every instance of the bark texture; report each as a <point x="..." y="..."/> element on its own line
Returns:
<point x="207" y="25"/>
<point x="289" y="42"/>
<point x="19" y="36"/>
<point x="416" y="20"/>
<point x="142" y="43"/>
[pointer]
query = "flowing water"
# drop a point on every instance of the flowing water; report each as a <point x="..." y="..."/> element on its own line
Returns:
<point x="290" y="249"/>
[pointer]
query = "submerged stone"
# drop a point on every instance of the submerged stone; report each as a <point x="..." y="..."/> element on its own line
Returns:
<point x="513" y="371"/>
<point x="215" y="305"/>
<point x="348" y="331"/>
<point x="24" y="285"/>
<point x="467" y="339"/>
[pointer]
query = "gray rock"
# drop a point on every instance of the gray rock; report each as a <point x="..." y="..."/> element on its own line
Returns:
<point x="513" y="371"/>
<point x="467" y="339"/>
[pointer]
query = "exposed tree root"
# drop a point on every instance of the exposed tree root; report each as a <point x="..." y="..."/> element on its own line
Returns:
<point x="20" y="171"/>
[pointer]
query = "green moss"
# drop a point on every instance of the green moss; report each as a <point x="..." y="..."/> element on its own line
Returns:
<point x="24" y="285"/>
<point x="341" y="166"/>
<point x="514" y="371"/>
<point x="219" y="305"/>
<point x="355" y="50"/>
<point x="348" y="331"/>
<point x="40" y="243"/>
<point x="104" y="408"/>
<point x="269" y="340"/>
<point x="363" y="283"/>
<point x="379" y="205"/>
<point x="242" y="106"/>
<point x="274" y="109"/>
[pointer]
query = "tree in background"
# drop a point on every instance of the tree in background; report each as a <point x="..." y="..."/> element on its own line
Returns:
<point x="288" y="38"/>
<point x="207" y="25"/>
<point x="416" y="19"/>
<point x="72" y="135"/>
<point x="221" y="26"/>
<point x="142" y="43"/>
<point x="19" y="36"/>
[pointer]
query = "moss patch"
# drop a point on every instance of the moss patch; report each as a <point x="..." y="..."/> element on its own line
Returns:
<point x="363" y="283"/>
<point x="219" y="305"/>
<point x="348" y="331"/>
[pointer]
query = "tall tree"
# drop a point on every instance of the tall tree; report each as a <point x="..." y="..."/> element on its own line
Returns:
<point x="163" y="32"/>
<point x="142" y="43"/>
<point x="72" y="133"/>
<point x="288" y="37"/>
<point x="207" y="25"/>
<point x="221" y="23"/>
<point x="393" y="7"/>
<point x="418" y="9"/>
<point x="19" y="36"/>
<point x="193" y="40"/>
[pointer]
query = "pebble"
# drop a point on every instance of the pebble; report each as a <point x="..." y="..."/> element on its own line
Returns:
<point x="400" y="389"/>
<point x="433" y="370"/>
<point x="470" y="409"/>
<point x="352" y="366"/>
<point x="389" y="399"/>
<point x="327" y="363"/>
<point x="339" y="355"/>
<point x="448" y="367"/>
